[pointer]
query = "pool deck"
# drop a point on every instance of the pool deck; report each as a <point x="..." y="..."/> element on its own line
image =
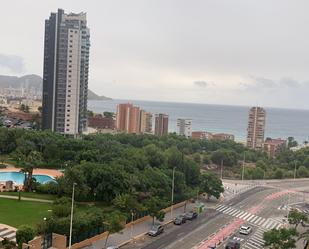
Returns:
<point x="49" y="172"/>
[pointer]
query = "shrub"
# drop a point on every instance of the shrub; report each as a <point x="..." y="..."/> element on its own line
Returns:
<point x="24" y="234"/>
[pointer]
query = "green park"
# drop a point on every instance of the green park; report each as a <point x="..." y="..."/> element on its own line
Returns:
<point x="117" y="175"/>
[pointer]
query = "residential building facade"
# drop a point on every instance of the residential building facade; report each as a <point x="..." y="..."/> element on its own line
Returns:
<point x="65" y="76"/>
<point x="128" y="118"/>
<point x="256" y="128"/>
<point x="222" y="136"/>
<point x="273" y="146"/>
<point x="201" y="135"/>
<point x="184" y="127"/>
<point x="145" y="122"/>
<point x="100" y="123"/>
<point x="161" y="124"/>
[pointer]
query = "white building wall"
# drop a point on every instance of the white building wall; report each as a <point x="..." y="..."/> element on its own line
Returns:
<point x="73" y="82"/>
<point x="184" y="127"/>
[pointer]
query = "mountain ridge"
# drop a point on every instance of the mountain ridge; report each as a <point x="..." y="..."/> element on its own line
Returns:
<point x="35" y="81"/>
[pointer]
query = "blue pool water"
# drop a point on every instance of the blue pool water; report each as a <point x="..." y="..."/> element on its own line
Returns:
<point x="19" y="177"/>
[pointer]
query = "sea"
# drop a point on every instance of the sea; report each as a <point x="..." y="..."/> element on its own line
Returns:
<point x="280" y="123"/>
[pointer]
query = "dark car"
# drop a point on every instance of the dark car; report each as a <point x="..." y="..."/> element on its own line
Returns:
<point x="180" y="220"/>
<point x="232" y="244"/>
<point x="155" y="230"/>
<point x="191" y="215"/>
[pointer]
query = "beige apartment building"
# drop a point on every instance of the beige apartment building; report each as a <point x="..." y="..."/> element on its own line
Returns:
<point x="128" y="118"/>
<point x="256" y="128"/>
<point x="145" y="122"/>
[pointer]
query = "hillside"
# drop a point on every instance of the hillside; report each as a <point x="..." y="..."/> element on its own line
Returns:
<point x="26" y="81"/>
<point x="35" y="81"/>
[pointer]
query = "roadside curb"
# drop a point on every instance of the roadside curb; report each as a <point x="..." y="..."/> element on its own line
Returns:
<point x="141" y="235"/>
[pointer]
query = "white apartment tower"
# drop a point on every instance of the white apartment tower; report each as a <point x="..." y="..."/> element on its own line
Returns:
<point x="184" y="127"/>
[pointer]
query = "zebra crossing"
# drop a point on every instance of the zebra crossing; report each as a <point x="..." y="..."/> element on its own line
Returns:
<point x="8" y="234"/>
<point x="267" y="223"/>
<point x="256" y="240"/>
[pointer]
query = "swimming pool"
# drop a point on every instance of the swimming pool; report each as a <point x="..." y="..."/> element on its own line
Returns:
<point x="19" y="177"/>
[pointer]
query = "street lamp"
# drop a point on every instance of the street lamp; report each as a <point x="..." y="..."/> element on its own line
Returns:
<point x="132" y="219"/>
<point x="71" y="221"/>
<point x="295" y="170"/>
<point x="173" y="186"/>
<point x="243" y="167"/>
<point x="221" y="169"/>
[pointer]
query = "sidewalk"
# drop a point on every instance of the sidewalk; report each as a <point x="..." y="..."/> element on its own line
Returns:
<point x="25" y="198"/>
<point x="138" y="229"/>
<point x="231" y="189"/>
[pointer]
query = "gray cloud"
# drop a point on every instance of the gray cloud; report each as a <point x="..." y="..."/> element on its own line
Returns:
<point x="289" y="82"/>
<point x="200" y="83"/>
<point x="12" y="62"/>
<point x="261" y="83"/>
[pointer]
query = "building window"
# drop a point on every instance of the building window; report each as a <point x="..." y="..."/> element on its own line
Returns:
<point x="68" y="129"/>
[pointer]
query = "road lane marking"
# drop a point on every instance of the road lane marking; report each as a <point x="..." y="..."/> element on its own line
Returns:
<point x="262" y="221"/>
<point x="250" y="217"/>
<point x="222" y="208"/>
<point x="245" y="213"/>
<point x="240" y="213"/>
<point x="245" y="217"/>
<point x="227" y="210"/>
<point x="234" y="212"/>
<point x="255" y="218"/>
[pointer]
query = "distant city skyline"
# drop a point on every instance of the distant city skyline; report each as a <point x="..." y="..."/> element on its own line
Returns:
<point x="215" y="52"/>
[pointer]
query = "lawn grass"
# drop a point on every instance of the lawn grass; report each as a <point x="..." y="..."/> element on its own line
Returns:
<point x="31" y="195"/>
<point x="16" y="213"/>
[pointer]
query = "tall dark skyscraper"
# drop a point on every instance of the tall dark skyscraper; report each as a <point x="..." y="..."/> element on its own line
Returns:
<point x="65" y="76"/>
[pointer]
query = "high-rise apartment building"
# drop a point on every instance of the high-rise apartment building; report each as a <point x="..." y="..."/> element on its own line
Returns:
<point x="133" y="124"/>
<point x="128" y="118"/>
<point x="161" y="124"/>
<point x="184" y="127"/>
<point x="145" y="122"/>
<point x="256" y="128"/>
<point x="65" y="76"/>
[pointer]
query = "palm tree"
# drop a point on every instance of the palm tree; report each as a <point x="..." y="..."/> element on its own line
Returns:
<point x="32" y="160"/>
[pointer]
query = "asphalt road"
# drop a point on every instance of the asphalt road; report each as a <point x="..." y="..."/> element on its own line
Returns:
<point x="208" y="223"/>
<point x="192" y="232"/>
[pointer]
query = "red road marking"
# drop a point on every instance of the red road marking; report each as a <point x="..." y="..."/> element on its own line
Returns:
<point x="222" y="234"/>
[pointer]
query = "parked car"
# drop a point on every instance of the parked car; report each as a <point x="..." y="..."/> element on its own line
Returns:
<point x="180" y="220"/>
<point x="112" y="247"/>
<point x="156" y="230"/>
<point x="191" y="215"/>
<point x="246" y="230"/>
<point x="232" y="244"/>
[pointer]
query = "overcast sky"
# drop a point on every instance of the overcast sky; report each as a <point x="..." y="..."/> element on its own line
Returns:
<point x="240" y="52"/>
